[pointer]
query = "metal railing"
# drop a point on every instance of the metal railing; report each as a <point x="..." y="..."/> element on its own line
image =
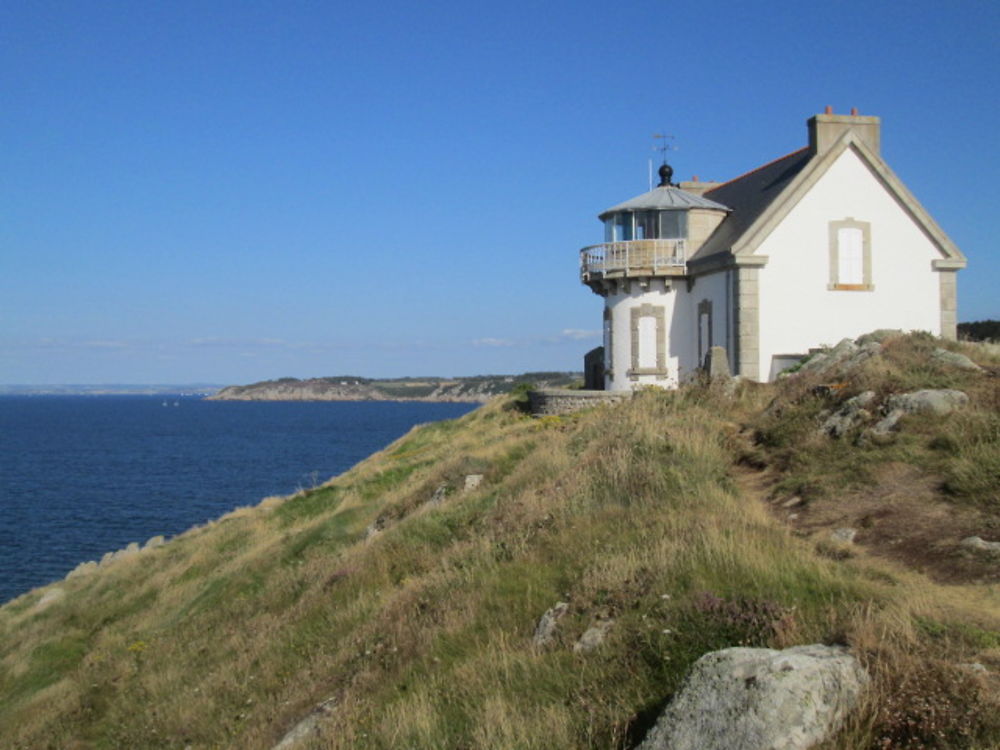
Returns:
<point x="633" y="257"/>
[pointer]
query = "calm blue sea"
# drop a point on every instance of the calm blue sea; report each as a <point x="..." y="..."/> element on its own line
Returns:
<point x="84" y="475"/>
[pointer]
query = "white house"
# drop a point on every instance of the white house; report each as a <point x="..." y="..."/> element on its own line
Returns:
<point x="821" y="244"/>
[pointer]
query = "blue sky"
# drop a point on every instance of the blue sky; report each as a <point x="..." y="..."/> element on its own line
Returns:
<point x="232" y="191"/>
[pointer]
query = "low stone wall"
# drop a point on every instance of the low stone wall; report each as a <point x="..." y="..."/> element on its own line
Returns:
<point x="564" y="400"/>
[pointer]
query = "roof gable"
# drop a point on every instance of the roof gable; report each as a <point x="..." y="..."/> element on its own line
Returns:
<point x="762" y="198"/>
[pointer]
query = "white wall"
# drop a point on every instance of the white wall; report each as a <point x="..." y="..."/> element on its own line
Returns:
<point x="676" y="316"/>
<point x="799" y="312"/>
<point x="717" y="289"/>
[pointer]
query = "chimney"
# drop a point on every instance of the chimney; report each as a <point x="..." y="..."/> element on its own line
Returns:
<point x="827" y="128"/>
<point x="696" y="186"/>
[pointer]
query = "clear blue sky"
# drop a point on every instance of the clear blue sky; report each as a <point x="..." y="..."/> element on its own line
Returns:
<point x="232" y="191"/>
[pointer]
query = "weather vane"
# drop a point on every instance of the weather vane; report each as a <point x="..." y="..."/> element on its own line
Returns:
<point x="662" y="144"/>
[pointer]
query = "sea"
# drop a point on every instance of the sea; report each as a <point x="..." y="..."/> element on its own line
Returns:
<point x="85" y="475"/>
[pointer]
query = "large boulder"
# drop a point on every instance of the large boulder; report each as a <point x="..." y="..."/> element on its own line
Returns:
<point x="844" y="357"/>
<point x="928" y="401"/>
<point x="757" y="698"/>
<point x="981" y="545"/>
<point x="829" y="358"/>
<point x="954" y="360"/>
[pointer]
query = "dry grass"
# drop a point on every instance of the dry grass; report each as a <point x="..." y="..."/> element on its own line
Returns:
<point x="230" y="634"/>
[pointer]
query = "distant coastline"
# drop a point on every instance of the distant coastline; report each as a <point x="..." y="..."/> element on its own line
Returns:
<point x="476" y="389"/>
<point x="111" y="389"/>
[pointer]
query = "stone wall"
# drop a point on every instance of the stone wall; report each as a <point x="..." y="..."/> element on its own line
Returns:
<point x="564" y="401"/>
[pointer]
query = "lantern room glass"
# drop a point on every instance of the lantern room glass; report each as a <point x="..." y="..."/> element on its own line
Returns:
<point x="645" y="225"/>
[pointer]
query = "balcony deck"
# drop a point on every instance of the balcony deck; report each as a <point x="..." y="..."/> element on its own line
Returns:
<point x="632" y="259"/>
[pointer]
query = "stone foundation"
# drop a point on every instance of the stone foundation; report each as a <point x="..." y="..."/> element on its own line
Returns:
<point x="564" y="400"/>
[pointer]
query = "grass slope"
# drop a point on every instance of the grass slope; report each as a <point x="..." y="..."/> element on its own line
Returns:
<point x="419" y="635"/>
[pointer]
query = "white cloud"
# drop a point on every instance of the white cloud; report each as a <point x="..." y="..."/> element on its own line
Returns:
<point x="579" y="334"/>
<point x="493" y="342"/>
<point x="103" y="344"/>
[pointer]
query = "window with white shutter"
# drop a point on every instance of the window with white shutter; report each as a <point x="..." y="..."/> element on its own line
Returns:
<point x="850" y="255"/>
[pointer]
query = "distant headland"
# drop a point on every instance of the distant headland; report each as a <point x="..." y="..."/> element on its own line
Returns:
<point x="478" y="388"/>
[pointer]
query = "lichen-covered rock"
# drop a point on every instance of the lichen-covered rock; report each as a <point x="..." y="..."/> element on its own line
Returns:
<point x="955" y="360"/>
<point x="852" y="413"/>
<point x="593" y="637"/>
<point x="844" y="357"/>
<point x="981" y="545"/>
<point x="49" y="598"/>
<point x="308" y="729"/>
<point x="750" y="698"/>
<point x="439" y="494"/>
<point x="844" y="535"/>
<point x="940" y="401"/>
<point x="545" y="630"/>
<point x="827" y="359"/>
<point x="880" y="335"/>
<point x="928" y="401"/>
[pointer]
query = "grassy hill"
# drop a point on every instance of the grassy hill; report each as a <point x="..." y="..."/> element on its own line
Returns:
<point x="395" y="607"/>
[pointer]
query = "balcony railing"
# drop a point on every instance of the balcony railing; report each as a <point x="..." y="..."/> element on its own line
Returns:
<point x="633" y="258"/>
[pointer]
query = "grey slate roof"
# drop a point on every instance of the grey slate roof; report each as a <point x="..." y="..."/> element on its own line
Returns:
<point x="660" y="198"/>
<point x="749" y="196"/>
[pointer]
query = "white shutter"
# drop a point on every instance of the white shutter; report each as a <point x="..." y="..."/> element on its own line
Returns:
<point x="850" y="256"/>
<point x="647" y="342"/>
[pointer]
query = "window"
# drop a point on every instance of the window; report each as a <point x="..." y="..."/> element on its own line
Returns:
<point x="850" y="256"/>
<point x="673" y="225"/>
<point x="646" y="225"/>
<point x="623" y="227"/>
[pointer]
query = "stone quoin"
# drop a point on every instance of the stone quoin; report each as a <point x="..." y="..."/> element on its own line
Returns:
<point x="819" y="245"/>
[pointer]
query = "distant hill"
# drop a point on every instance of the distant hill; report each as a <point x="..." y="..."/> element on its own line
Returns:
<point x="478" y="388"/>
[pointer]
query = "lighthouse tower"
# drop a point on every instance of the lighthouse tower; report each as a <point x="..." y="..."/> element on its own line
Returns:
<point x="650" y="316"/>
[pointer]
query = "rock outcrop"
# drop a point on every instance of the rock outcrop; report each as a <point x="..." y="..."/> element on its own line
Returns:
<point x="852" y="413"/>
<point x="955" y="360"/>
<point x="845" y="356"/>
<point x="308" y="729"/>
<point x="761" y="698"/>
<point x="981" y="545"/>
<point x="545" y="631"/>
<point x="593" y="637"/>
<point x="928" y="401"/>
